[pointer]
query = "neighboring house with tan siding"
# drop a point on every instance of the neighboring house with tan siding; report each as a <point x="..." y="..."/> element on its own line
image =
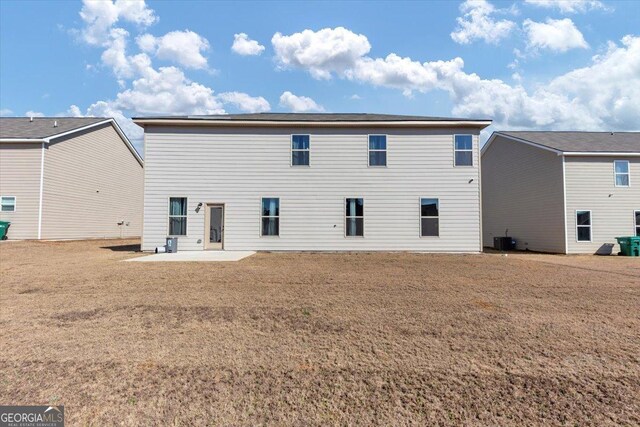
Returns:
<point x="562" y="192"/>
<point x="69" y="178"/>
<point x="331" y="182"/>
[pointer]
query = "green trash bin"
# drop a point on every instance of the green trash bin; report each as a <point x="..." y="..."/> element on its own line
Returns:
<point x="629" y="246"/>
<point x="4" y="227"/>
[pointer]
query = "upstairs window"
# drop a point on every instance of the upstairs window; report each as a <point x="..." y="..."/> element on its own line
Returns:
<point x="636" y="215"/>
<point x="177" y="216"/>
<point x="354" y="217"/>
<point x="7" y="204"/>
<point x="583" y="226"/>
<point x="377" y="150"/>
<point x="429" y="217"/>
<point x="621" y="171"/>
<point x="463" y="150"/>
<point x="270" y="216"/>
<point x="299" y="150"/>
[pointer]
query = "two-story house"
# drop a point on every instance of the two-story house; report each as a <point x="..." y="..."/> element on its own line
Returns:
<point x="69" y="178"/>
<point x="563" y="192"/>
<point x="330" y="182"/>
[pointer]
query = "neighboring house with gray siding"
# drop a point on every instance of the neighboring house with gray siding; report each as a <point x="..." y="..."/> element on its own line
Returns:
<point x="346" y="182"/>
<point x="562" y="192"/>
<point x="69" y="178"/>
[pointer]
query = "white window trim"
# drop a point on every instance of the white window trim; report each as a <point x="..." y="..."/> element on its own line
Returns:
<point x="15" y="204"/>
<point x="386" y="143"/>
<point x="344" y="223"/>
<point x="271" y="216"/>
<point x="420" y="217"/>
<point x="169" y="216"/>
<point x="615" y="173"/>
<point x="455" y="150"/>
<point x="575" y="218"/>
<point x="291" y="150"/>
<point x="635" y="224"/>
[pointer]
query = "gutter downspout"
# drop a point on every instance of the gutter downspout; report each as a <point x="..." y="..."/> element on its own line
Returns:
<point x="564" y="206"/>
<point x="480" y="196"/>
<point x="41" y="192"/>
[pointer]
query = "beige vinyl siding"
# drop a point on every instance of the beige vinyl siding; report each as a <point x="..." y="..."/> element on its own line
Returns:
<point x="236" y="167"/>
<point x="591" y="186"/>
<point x="20" y="177"/>
<point x="91" y="182"/>
<point x="522" y="193"/>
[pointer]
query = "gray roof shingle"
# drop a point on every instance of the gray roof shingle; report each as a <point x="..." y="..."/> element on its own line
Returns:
<point x="42" y="127"/>
<point x="312" y="117"/>
<point x="593" y="142"/>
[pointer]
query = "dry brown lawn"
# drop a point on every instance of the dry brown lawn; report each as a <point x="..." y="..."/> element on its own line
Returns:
<point x="320" y="339"/>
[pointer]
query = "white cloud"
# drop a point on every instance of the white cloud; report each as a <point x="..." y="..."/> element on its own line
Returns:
<point x="243" y="45"/>
<point x="478" y="23"/>
<point x="244" y="102"/>
<point x="610" y="87"/>
<point x="115" y="55"/>
<point x="33" y="114"/>
<point x="320" y="52"/>
<point x="400" y="73"/>
<point x="604" y="95"/>
<point x="100" y="16"/>
<point x="569" y="6"/>
<point x="5" y="112"/>
<point x="144" y="88"/>
<point x="558" y="35"/>
<point x="355" y="97"/>
<point x="147" y="42"/>
<point x="299" y="104"/>
<point x="168" y="90"/>
<point x="182" y="47"/>
<point x="73" y="111"/>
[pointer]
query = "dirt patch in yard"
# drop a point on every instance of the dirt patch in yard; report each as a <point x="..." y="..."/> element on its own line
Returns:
<point x="320" y="339"/>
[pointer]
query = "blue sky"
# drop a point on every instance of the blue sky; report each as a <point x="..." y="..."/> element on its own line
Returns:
<point x="538" y="64"/>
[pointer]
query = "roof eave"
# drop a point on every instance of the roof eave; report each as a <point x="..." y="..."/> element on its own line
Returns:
<point x="111" y="121"/>
<point x="480" y="124"/>
<point x="76" y="130"/>
<point x="558" y="151"/>
<point x="601" y="153"/>
<point x="516" y="139"/>
<point x="22" y="140"/>
<point x="57" y="135"/>
<point x="127" y="142"/>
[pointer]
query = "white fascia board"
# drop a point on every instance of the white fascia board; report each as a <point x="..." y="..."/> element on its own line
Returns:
<point x="115" y="126"/>
<point x="126" y="141"/>
<point x="596" y="154"/>
<point x="23" y="140"/>
<point x="271" y="123"/>
<point x="72" y="131"/>
<point x="48" y="139"/>
<point x="523" y="141"/>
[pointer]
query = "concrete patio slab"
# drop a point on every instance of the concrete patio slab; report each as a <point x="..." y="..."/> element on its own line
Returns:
<point x="195" y="256"/>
